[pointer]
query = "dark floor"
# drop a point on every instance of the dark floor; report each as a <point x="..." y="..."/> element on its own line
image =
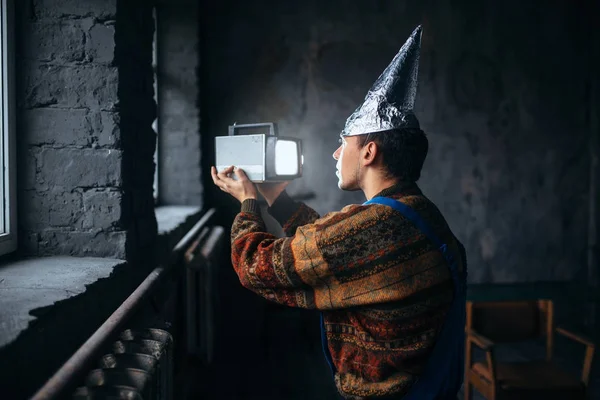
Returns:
<point x="270" y="352"/>
<point x="293" y="367"/>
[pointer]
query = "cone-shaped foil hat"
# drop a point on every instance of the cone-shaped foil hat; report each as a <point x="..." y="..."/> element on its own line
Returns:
<point x="390" y="102"/>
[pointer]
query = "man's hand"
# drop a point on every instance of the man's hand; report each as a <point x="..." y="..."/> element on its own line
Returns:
<point x="271" y="190"/>
<point x="241" y="189"/>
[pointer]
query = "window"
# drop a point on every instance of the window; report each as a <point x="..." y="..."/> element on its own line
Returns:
<point x="8" y="211"/>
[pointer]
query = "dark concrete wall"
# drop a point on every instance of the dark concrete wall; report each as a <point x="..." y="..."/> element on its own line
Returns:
<point x="502" y="97"/>
<point x="178" y="114"/>
<point x="85" y="143"/>
<point x="137" y="110"/>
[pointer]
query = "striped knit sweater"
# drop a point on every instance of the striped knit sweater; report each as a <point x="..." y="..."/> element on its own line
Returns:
<point x="382" y="286"/>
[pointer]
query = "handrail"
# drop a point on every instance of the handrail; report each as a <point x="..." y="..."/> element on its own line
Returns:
<point x="82" y="359"/>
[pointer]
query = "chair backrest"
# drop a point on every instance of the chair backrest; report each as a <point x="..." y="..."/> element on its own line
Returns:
<point x="512" y="321"/>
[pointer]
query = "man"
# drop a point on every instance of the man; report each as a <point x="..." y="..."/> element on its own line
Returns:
<point x="388" y="276"/>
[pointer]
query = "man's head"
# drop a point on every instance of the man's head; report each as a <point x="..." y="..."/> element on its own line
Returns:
<point x="394" y="155"/>
<point x="397" y="147"/>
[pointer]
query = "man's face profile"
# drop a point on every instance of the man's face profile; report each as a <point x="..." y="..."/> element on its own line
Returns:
<point x="347" y="166"/>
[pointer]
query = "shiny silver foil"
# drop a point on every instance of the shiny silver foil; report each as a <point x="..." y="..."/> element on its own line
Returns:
<point x="390" y="102"/>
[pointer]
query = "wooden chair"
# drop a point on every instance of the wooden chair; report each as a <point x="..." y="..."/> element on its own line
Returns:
<point x="489" y="323"/>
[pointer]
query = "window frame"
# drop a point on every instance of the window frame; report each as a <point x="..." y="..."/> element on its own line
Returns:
<point x="8" y="232"/>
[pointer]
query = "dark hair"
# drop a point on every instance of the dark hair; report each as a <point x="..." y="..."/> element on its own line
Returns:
<point x="403" y="151"/>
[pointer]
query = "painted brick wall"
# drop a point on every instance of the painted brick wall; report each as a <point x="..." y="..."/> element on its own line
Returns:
<point x="84" y="138"/>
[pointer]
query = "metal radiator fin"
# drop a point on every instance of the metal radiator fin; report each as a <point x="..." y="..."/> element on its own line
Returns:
<point x="140" y="366"/>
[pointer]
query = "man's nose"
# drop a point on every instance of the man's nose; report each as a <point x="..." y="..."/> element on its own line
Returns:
<point x="336" y="154"/>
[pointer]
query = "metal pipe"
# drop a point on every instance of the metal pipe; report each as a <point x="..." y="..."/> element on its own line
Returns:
<point x="79" y="363"/>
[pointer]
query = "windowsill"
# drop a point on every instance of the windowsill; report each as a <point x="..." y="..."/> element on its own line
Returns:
<point x="29" y="287"/>
<point x="172" y="218"/>
<point x="49" y="306"/>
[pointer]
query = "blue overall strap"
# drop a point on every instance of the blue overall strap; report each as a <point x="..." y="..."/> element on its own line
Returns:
<point x="444" y="371"/>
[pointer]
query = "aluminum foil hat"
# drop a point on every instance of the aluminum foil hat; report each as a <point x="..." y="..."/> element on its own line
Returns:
<point x="390" y="102"/>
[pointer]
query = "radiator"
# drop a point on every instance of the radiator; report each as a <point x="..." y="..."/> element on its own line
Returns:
<point x="139" y="366"/>
<point x="202" y="261"/>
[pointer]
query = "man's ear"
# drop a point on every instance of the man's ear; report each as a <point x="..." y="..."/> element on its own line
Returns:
<point x="370" y="153"/>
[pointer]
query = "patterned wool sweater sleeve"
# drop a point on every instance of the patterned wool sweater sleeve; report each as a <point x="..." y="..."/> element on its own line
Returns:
<point x="291" y="214"/>
<point x="358" y="256"/>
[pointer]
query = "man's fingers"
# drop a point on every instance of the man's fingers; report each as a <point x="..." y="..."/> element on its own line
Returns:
<point x="218" y="180"/>
<point x="224" y="175"/>
<point x="213" y="174"/>
<point x="227" y="171"/>
<point x="224" y="179"/>
<point x="240" y="173"/>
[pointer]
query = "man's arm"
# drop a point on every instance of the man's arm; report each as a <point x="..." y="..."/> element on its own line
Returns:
<point x="291" y="214"/>
<point x="264" y="263"/>
<point x="338" y="261"/>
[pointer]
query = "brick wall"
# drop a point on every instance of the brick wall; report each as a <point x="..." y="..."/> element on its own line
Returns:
<point x="84" y="138"/>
